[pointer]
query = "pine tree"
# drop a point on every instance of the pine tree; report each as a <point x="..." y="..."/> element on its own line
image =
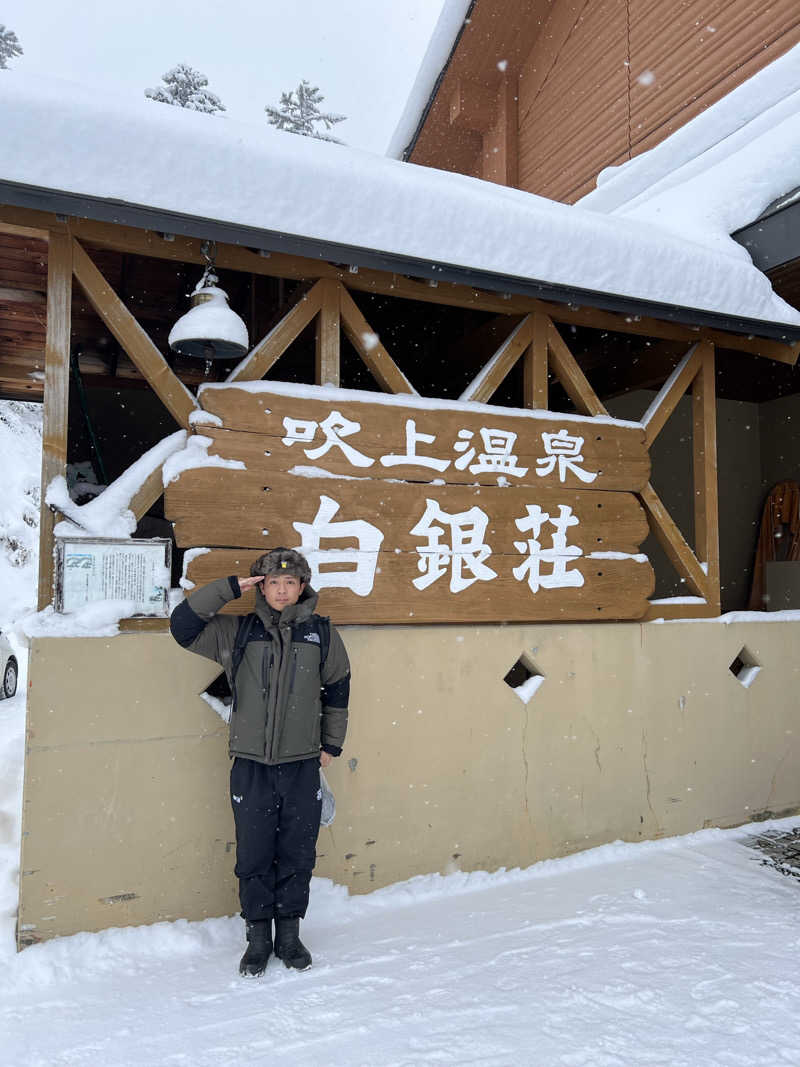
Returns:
<point x="299" y="112"/>
<point x="9" y="46"/>
<point x="185" y="87"/>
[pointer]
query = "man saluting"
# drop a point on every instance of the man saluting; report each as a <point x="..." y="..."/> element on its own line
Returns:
<point x="290" y="679"/>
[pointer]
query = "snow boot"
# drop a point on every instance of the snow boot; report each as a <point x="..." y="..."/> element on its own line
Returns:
<point x="259" y="937"/>
<point x="289" y="947"/>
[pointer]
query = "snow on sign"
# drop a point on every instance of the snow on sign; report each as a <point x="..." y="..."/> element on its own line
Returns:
<point x="414" y="510"/>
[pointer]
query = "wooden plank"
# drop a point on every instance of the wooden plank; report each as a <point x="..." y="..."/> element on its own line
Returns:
<point x="365" y="341"/>
<point x="671" y="392"/>
<point x="235" y="257"/>
<point x="704" y="450"/>
<point x="565" y="367"/>
<point x="138" y="626"/>
<point x="674" y="544"/>
<point x="326" y="366"/>
<point x="133" y="339"/>
<point x="56" y="396"/>
<point x="536" y="366"/>
<point x="612" y="589"/>
<point x="22" y="296"/>
<point x="270" y="348"/>
<point x="487" y="382"/>
<point x="148" y="493"/>
<point x="680" y="611"/>
<point x="289" y="429"/>
<point x="256" y="512"/>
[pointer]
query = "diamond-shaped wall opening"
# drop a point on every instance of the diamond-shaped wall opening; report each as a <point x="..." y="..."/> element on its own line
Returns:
<point x="524" y="678"/>
<point x="745" y="667"/>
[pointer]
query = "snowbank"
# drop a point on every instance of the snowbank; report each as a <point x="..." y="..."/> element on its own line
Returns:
<point x="21" y="451"/>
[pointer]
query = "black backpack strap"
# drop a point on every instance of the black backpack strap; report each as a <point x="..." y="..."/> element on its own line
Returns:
<point x="324" y="631"/>
<point x="246" y="624"/>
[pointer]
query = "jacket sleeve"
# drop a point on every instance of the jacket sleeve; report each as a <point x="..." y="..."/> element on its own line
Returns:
<point x="194" y="623"/>
<point x="335" y="695"/>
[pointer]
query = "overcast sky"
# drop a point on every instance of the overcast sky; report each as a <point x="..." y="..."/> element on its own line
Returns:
<point x="363" y="54"/>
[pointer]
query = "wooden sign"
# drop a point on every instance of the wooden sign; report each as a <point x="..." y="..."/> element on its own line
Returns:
<point x="428" y="512"/>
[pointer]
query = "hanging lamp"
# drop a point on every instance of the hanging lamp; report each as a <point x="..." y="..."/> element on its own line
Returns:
<point x="210" y="329"/>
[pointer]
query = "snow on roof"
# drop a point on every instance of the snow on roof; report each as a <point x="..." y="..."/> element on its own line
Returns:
<point x="719" y="171"/>
<point x="441" y="45"/>
<point x="65" y="138"/>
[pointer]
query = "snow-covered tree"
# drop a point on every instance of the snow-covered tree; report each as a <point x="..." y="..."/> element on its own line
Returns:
<point x="298" y="112"/>
<point x="9" y="46"/>
<point x="185" y="87"/>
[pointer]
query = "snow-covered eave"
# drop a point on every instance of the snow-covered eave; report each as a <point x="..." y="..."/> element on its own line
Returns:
<point x="144" y="217"/>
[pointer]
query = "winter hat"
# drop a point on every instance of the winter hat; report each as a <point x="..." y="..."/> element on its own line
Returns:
<point x="282" y="561"/>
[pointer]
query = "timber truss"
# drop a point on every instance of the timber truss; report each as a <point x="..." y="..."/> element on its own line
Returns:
<point x="534" y="339"/>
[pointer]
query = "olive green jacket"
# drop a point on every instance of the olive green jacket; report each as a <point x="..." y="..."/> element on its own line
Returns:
<point x="287" y="705"/>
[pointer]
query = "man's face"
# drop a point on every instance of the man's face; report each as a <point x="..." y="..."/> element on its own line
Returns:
<point x="281" y="590"/>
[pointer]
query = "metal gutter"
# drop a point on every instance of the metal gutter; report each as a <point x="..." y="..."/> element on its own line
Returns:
<point x="143" y="218"/>
<point x="774" y="237"/>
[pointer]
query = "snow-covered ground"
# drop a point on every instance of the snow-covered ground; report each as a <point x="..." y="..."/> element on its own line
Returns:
<point x="680" y="952"/>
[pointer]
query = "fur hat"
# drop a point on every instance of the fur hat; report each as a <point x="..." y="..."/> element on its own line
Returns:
<point x="282" y="561"/>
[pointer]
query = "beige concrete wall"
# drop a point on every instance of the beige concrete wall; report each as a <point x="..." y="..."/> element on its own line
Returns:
<point x="638" y="731"/>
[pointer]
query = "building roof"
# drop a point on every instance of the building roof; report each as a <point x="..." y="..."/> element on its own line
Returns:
<point x="64" y="148"/>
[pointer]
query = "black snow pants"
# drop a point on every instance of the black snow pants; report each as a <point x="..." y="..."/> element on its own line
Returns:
<point x="276" y="811"/>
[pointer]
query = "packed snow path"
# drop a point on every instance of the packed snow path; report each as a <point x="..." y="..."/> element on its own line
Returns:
<point x="680" y="953"/>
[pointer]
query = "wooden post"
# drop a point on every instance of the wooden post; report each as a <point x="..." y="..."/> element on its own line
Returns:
<point x="328" y="333"/>
<point x="704" y="448"/>
<point x="56" y="395"/>
<point x="535" y="366"/>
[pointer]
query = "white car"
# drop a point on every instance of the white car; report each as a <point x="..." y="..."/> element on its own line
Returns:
<point x="8" y="668"/>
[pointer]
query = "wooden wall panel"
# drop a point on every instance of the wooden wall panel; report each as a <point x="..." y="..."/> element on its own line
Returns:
<point x="573" y="105"/>
<point x="582" y="105"/>
<point x="697" y="52"/>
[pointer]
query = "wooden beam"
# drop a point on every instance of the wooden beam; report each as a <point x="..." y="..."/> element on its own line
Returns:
<point x="132" y="338"/>
<point x="473" y="105"/>
<point x="492" y="375"/>
<point x="271" y="347"/>
<point x="670" y="393"/>
<point x="674" y="544"/>
<point x="148" y="493"/>
<point x="278" y="265"/>
<point x="536" y="366"/>
<point x="56" y="396"/>
<point x="365" y="341"/>
<point x="566" y="369"/>
<point x="22" y="296"/>
<point x="326" y="366"/>
<point x="704" y="449"/>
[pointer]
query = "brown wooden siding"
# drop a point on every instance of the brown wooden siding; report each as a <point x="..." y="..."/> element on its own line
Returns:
<point x="582" y="105"/>
<point x="573" y="104"/>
